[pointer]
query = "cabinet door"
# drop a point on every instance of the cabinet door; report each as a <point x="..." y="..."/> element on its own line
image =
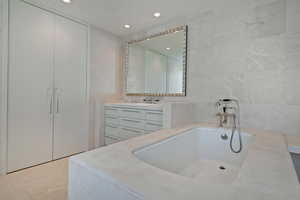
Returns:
<point x="30" y="83"/>
<point x="70" y="121"/>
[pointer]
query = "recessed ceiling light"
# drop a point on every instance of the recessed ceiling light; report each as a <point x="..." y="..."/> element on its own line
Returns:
<point x="67" y="1"/>
<point x="127" y="26"/>
<point x="157" y="14"/>
<point x="168" y="48"/>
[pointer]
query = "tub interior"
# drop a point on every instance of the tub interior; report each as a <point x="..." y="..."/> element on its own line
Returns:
<point x="197" y="153"/>
<point x="296" y="161"/>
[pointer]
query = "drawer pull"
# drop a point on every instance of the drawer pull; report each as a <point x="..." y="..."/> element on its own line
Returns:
<point x="111" y="109"/>
<point x="110" y="137"/>
<point x="127" y="129"/>
<point x="111" y="126"/>
<point x="149" y="123"/>
<point x="130" y="120"/>
<point x="132" y="111"/>
<point x="154" y="113"/>
<point x="110" y="117"/>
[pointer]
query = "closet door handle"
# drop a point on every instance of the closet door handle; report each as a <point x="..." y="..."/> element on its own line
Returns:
<point x="57" y="105"/>
<point x="51" y="105"/>
<point x="57" y="98"/>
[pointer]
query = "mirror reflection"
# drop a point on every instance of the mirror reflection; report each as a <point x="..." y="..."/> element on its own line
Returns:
<point x="157" y="65"/>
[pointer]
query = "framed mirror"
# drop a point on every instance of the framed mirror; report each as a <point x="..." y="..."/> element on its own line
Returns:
<point x="157" y="65"/>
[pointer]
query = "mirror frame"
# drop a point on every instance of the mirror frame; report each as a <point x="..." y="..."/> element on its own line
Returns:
<point x="184" y="78"/>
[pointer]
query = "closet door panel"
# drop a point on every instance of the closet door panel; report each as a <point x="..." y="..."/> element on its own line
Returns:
<point x="30" y="83"/>
<point x="70" y="121"/>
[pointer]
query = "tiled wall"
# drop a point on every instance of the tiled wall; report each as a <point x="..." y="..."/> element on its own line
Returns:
<point x="248" y="49"/>
<point x="2" y="146"/>
<point x="1" y="30"/>
<point x="105" y="79"/>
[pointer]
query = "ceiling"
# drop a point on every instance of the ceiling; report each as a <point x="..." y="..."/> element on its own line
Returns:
<point x="111" y="15"/>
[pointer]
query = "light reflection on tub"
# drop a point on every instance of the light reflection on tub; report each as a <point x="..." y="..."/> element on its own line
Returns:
<point x="197" y="153"/>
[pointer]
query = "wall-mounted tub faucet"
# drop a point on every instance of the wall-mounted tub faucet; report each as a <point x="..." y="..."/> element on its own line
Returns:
<point x="230" y="108"/>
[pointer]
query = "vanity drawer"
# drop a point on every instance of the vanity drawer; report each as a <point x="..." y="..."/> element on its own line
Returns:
<point x="127" y="133"/>
<point x="132" y="123"/>
<point x="152" y="126"/>
<point x="132" y="113"/>
<point x="110" y="120"/>
<point x="154" y="116"/>
<point x="111" y="111"/>
<point x="112" y="131"/>
<point x="109" y="140"/>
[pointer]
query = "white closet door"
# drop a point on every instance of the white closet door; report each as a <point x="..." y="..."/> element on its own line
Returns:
<point x="30" y="82"/>
<point x="70" y="120"/>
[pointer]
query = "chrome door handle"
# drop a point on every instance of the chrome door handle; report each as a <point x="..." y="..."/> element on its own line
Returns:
<point x="57" y="105"/>
<point x="57" y="95"/>
<point x="51" y="105"/>
<point x="50" y="95"/>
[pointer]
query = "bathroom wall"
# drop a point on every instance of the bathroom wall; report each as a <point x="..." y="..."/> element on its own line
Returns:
<point x="2" y="146"/>
<point x="247" y="49"/>
<point x="1" y="46"/>
<point x="106" y="79"/>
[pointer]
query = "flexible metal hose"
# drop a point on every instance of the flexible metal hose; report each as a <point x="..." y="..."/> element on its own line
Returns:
<point x="236" y="127"/>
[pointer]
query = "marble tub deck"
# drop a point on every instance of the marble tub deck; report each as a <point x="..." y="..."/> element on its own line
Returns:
<point x="267" y="171"/>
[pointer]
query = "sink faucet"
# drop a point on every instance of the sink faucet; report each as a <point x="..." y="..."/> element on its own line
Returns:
<point x="151" y="100"/>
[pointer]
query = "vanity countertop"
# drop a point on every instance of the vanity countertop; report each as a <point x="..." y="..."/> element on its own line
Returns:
<point x="267" y="171"/>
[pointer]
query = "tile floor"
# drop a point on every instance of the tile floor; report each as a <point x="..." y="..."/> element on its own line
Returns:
<point x="44" y="182"/>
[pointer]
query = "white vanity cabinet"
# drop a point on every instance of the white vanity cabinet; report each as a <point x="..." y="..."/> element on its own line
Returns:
<point x="123" y="122"/>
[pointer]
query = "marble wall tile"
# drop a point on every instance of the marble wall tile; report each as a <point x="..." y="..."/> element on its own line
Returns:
<point x="105" y="80"/>
<point x="290" y="43"/>
<point x="259" y="64"/>
<point x="291" y="86"/>
<point x="273" y="117"/>
<point x="293" y="16"/>
<point x="270" y="19"/>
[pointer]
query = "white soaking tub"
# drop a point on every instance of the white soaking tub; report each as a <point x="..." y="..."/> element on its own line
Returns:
<point x="197" y="153"/>
<point x="184" y="164"/>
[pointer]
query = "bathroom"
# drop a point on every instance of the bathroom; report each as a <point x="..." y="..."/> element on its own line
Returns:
<point x="131" y="131"/>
